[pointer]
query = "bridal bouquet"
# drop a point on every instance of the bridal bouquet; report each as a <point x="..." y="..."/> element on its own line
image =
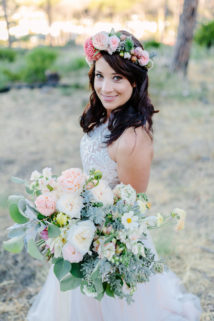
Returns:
<point x="94" y="236"/>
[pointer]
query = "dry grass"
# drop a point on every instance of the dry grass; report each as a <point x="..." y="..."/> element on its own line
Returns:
<point x="40" y="128"/>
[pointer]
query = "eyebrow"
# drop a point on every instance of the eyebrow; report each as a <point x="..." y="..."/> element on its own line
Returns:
<point x="113" y="73"/>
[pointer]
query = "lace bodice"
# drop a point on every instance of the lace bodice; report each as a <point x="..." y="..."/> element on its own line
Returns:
<point x="94" y="154"/>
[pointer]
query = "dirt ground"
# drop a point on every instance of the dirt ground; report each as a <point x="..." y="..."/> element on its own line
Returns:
<point x="40" y="128"/>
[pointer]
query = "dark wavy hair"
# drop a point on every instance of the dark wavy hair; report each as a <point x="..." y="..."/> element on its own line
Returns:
<point x="136" y="112"/>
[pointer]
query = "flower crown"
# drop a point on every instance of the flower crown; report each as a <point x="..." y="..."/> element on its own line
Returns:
<point x="115" y="42"/>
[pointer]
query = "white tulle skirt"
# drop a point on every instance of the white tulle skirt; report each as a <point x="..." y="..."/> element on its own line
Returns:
<point x="161" y="299"/>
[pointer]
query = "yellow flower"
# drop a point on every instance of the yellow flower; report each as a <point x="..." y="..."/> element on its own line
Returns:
<point x="61" y="219"/>
<point x="181" y="214"/>
<point x="159" y="219"/>
<point x="148" y="204"/>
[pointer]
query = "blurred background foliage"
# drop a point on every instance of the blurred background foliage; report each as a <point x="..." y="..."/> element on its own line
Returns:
<point x="40" y="36"/>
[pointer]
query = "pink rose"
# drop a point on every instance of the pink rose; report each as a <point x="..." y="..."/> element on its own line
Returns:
<point x="70" y="253"/>
<point x="113" y="44"/>
<point x="90" y="51"/>
<point x="138" y="52"/>
<point x="100" y="40"/>
<point x="71" y="180"/>
<point x="45" y="204"/>
<point x="143" y="61"/>
<point x="44" y="234"/>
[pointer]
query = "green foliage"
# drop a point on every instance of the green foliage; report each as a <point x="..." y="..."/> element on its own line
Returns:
<point x="204" y="36"/>
<point x="7" y="54"/>
<point x="152" y="44"/>
<point x="61" y="268"/>
<point x="16" y="209"/>
<point x="77" y="64"/>
<point x="38" y="61"/>
<point x="32" y="249"/>
<point x="14" y="245"/>
<point x="53" y="231"/>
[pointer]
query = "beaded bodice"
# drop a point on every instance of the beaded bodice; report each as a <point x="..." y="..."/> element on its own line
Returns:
<point x="94" y="154"/>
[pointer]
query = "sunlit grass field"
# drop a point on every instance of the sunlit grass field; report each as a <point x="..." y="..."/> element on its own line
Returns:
<point x="40" y="128"/>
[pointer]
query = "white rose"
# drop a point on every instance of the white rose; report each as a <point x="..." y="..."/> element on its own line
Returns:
<point x="103" y="193"/>
<point x="106" y="250"/>
<point x="70" y="204"/>
<point x="81" y="236"/>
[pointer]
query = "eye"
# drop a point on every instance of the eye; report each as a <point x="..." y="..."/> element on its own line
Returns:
<point x="98" y="76"/>
<point x="117" y="78"/>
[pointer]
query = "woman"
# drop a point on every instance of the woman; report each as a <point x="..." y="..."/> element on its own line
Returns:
<point x="118" y="141"/>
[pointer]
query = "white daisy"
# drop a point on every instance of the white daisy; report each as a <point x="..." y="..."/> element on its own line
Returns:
<point x="129" y="220"/>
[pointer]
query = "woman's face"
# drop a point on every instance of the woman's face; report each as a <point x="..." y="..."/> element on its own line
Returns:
<point x="113" y="89"/>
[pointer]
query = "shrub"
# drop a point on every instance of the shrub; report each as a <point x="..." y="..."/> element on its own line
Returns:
<point x="77" y="63"/>
<point x="7" y="54"/>
<point x="204" y="36"/>
<point x="38" y="61"/>
<point x="152" y="44"/>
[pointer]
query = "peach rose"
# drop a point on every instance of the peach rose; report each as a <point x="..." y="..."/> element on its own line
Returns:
<point x="143" y="61"/>
<point x="45" y="204"/>
<point x="101" y="40"/>
<point x="70" y="254"/>
<point x="90" y="51"/>
<point x="113" y="44"/>
<point x="138" y="52"/>
<point x="71" y="180"/>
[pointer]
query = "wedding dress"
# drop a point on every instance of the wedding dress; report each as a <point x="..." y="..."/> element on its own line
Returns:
<point x="161" y="299"/>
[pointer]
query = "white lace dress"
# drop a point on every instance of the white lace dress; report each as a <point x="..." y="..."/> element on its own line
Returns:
<point x="161" y="299"/>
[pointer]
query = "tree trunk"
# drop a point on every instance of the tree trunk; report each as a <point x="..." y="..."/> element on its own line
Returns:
<point x="4" y="5"/>
<point x="49" y="16"/>
<point x="185" y="36"/>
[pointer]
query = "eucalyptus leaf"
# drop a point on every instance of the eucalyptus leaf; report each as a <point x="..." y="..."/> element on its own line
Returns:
<point x="76" y="270"/>
<point x="18" y="230"/>
<point x="16" y="215"/>
<point x="17" y="180"/>
<point x="61" y="268"/>
<point x="22" y="206"/>
<point x="109" y="291"/>
<point x="14" y="245"/>
<point x="13" y="199"/>
<point x="53" y="231"/>
<point x="32" y="249"/>
<point x="29" y="190"/>
<point x="70" y="283"/>
<point x="100" y="296"/>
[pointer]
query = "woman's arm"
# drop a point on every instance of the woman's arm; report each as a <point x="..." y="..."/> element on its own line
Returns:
<point x="134" y="156"/>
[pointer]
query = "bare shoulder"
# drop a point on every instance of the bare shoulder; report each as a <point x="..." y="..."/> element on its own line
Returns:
<point x="134" y="157"/>
<point x="134" y="141"/>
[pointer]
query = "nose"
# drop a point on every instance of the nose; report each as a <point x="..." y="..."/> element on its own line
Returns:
<point x="107" y="86"/>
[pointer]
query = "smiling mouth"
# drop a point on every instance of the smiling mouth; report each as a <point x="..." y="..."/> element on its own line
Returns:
<point x="108" y="98"/>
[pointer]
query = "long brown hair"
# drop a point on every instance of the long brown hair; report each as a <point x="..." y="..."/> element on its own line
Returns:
<point x="136" y="112"/>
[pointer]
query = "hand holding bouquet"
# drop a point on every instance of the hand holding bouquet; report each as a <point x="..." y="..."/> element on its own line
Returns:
<point x="94" y="236"/>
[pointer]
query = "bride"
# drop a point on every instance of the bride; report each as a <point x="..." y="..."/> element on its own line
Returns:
<point x="118" y="141"/>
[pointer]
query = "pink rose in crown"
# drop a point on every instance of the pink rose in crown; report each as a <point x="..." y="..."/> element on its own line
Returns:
<point x="70" y="254"/>
<point x="71" y="180"/>
<point x="113" y="44"/>
<point x="45" y="204"/>
<point x="90" y="52"/>
<point x="143" y="61"/>
<point x="138" y="52"/>
<point x="101" y="40"/>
